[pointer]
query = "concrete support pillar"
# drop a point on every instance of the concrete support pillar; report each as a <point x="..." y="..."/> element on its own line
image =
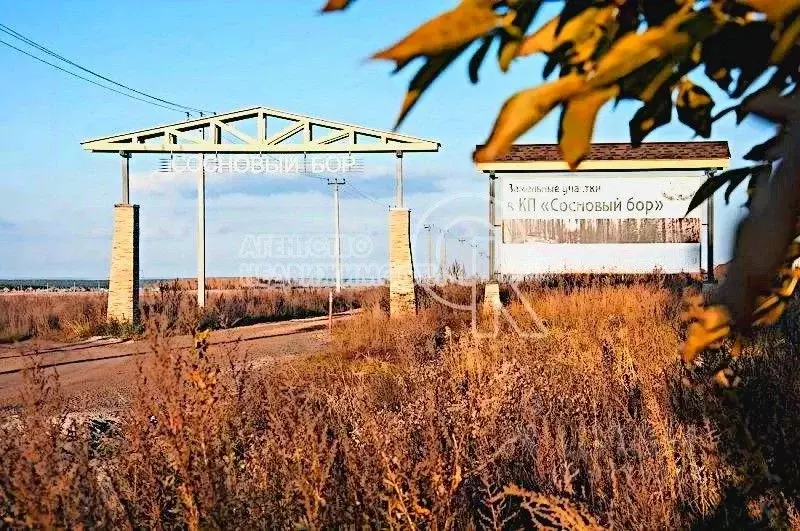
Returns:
<point x="491" y="297"/>
<point x="201" y="235"/>
<point x="402" y="298"/>
<point x="123" y="286"/>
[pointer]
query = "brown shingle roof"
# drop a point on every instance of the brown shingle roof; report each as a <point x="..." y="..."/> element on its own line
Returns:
<point x="624" y="151"/>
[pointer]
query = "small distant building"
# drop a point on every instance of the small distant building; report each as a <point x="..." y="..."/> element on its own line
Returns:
<point x="624" y="210"/>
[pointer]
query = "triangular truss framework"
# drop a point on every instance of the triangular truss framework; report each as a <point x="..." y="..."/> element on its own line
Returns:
<point x="260" y="130"/>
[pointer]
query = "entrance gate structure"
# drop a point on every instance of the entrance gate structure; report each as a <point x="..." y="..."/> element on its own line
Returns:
<point x="276" y="133"/>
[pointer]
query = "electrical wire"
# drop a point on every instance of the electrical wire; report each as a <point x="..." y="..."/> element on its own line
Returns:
<point x="87" y="79"/>
<point x="365" y="196"/>
<point x="15" y="34"/>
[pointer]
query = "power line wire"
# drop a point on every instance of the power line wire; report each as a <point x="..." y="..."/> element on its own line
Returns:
<point x="169" y="105"/>
<point x="315" y="177"/>
<point x="365" y="196"/>
<point x="15" y="34"/>
<point x="112" y="89"/>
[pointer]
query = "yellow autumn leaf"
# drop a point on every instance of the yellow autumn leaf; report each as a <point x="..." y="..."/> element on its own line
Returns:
<point x="541" y="41"/>
<point x="510" y="45"/>
<point x="604" y="28"/>
<point x="691" y="98"/>
<point x="635" y="50"/>
<point x="423" y="79"/>
<point x="775" y="10"/>
<point x="789" y="283"/>
<point x="576" y="30"/>
<point x="524" y="110"/>
<point x="719" y="74"/>
<point x="793" y="254"/>
<point x="577" y="124"/>
<point x="657" y="82"/>
<point x="508" y="52"/>
<point x="769" y="311"/>
<point x="787" y="40"/>
<point x="336" y="5"/>
<point x="196" y="377"/>
<point x="712" y="326"/>
<point x="470" y="20"/>
<point x="726" y="379"/>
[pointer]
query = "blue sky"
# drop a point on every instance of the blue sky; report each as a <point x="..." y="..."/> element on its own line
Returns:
<point x="56" y="200"/>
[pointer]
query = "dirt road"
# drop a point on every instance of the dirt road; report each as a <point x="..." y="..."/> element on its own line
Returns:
<point x="98" y="373"/>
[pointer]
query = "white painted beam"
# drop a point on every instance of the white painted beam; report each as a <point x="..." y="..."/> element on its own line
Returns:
<point x="387" y="141"/>
<point x="285" y="134"/>
<point x="255" y="149"/>
<point x="235" y="132"/>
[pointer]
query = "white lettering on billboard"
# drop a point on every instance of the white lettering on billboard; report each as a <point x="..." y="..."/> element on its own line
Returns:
<point x="599" y="222"/>
<point x="597" y="197"/>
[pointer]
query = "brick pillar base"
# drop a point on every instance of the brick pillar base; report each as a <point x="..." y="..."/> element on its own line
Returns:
<point x="402" y="298"/>
<point x="491" y="297"/>
<point x="123" y="283"/>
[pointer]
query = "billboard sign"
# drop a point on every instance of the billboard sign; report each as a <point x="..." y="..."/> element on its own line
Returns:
<point x="599" y="222"/>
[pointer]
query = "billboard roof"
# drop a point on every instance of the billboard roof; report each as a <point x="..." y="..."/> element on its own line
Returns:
<point x="617" y="155"/>
<point x="624" y="151"/>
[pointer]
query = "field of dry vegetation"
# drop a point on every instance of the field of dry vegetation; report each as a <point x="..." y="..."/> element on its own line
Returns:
<point x="75" y="316"/>
<point x="419" y="423"/>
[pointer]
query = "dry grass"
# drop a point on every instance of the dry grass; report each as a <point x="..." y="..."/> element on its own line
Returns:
<point x="419" y="423"/>
<point x="55" y="316"/>
<point x="74" y="316"/>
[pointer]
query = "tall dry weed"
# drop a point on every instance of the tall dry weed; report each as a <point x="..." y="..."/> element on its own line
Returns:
<point x="418" y="423"/>
<point x="76" y="316"/>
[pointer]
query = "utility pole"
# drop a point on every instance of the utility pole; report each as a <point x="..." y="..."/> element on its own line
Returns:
<point x="481" y="254"/>
<point x="337" y="246"/>
<point x="474" y="258"/>
<point x="462" y="252"/>
<point x="430" y="252"/>
<point x="444" y="255"/>
<point x="462" y="241"/>
<point x="201" y="230"/>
